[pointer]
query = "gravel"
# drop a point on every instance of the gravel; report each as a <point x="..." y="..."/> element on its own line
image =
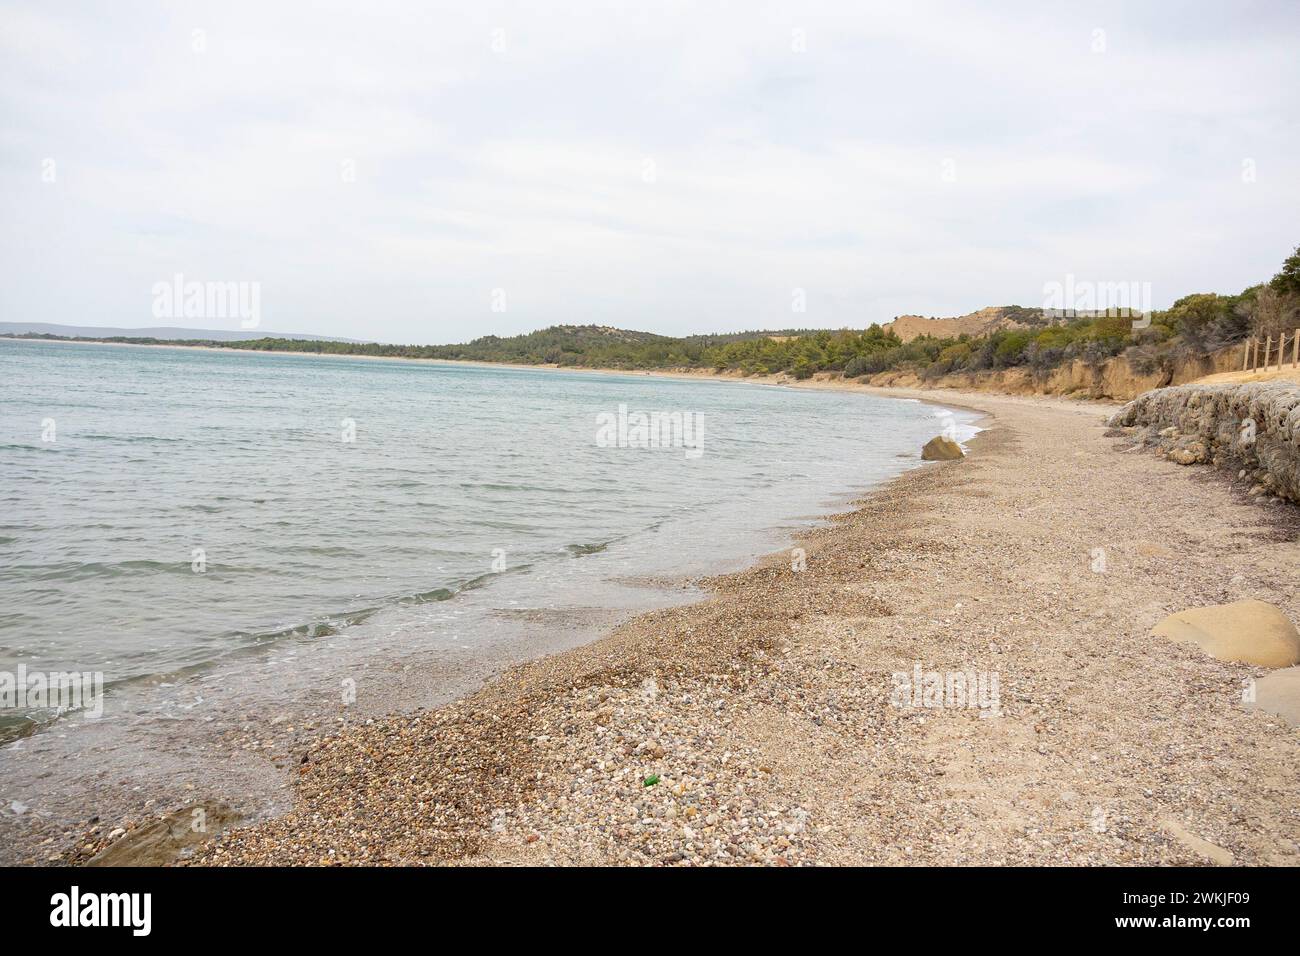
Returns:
<point x="760" y="727"/>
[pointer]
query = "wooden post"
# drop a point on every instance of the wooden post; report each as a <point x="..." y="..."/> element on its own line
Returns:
<point x="1295" y="349"/>
<point x="1254" y="354"/>
<point x="1245" y="356"/>
<point x="1268" y="347"/>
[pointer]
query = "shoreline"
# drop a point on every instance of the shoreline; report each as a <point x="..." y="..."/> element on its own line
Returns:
<point x="822" y="381"/>
<point x="1068" y="383"/>
<point x="249" y="741"/>
<point x="754" y="726"/>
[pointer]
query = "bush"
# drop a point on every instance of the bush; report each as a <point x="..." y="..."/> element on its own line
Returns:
<point x="1287" y="281"/>
<point x="855" y="367"/>
<point x="1208" y="322"/>
<point x="1010" y="349"/>
<point x="1149" y="359"/>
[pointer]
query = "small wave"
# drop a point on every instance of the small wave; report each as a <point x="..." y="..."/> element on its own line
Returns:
<point x="447" y="593"/>
<point x="325" y="626"/>
<point x="579" y="550"/>
<point x="129" y="439"/>
<point x="426" y="597"/>
<point x="51" y="446"/>
<point x="17" y="726"/>
<point x="326" y="550"/>
<point x="71" y="571"/>
<point x="503" y="486"/>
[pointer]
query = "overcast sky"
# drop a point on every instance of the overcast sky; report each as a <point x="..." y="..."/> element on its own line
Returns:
<point x="669" y="167"/>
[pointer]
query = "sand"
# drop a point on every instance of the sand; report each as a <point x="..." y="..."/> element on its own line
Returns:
<point x="1287" y="373"/>
<point x="766" y="725"/>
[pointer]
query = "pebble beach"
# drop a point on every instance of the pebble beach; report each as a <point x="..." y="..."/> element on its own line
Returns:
<point x="764" y="726"/>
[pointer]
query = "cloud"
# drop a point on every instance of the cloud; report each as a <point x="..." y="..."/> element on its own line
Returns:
<point x="676" y="168"/>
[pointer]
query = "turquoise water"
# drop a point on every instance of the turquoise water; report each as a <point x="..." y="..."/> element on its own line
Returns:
<point x="165" y="513"/>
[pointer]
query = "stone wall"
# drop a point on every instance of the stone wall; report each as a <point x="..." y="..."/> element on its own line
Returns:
<point x="1251" y="428"/>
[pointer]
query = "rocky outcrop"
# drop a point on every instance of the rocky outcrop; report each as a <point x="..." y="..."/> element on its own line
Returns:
<point x="939" y="448"/>
<point x="1252" y="429"/>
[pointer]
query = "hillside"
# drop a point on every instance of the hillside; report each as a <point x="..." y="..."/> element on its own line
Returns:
<point x="985" y="321"/>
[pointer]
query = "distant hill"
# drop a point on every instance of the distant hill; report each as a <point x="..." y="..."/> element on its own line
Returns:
<point x="167" y="332"/>
<point x="992" y="319"/>
<point x="563" y="344"/>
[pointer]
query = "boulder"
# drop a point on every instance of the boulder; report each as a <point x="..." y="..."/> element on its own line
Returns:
<point x="939" y="448"/>
<point x="1189" y="453"/>
<point x="1248" y="632"/>
<point x="1279" y="693"/>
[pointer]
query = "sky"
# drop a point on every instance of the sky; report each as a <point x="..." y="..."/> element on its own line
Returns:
<point x="432" y="172"/>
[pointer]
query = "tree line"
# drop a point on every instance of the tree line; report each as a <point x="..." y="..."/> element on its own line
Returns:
<point x="1193" y="326"/>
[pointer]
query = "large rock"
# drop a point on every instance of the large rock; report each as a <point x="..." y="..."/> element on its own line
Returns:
<point x="1248" y="632"/>
<point x="1279" y="693"/>
<point x="939" y="448"/>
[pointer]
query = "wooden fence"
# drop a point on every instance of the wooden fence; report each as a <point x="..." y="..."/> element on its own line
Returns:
<point x="1274" y="354"/>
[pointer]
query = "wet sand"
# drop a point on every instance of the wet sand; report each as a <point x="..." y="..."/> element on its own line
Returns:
<point x="764" y="724"/>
